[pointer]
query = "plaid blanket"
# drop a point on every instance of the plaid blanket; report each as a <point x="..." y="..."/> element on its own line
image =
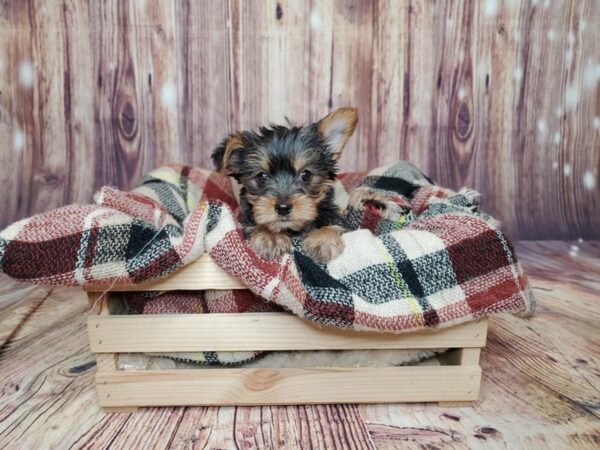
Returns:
<point x="429" y="259"/>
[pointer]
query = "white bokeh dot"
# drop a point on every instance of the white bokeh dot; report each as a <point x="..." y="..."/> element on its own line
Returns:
<point x="490" y="8"/>
<point x="568" y="57"/>
<point x="558" y="111"/>
<point x="26" y="74"/>
<point x="18" y="140"/>
<point x="574" y="251"/>
<point x="315" y="20"/>
<point x="557" y="137"/>
<point x="542" y="126"/>
<point x="571" y="97"/>
<point x="567" y="170"/>
<point x="589" y="180"/>
<point x="168" y="94"/>
<point x="518" y="73"/>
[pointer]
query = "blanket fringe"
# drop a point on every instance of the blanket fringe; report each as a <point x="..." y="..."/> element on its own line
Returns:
<point x="471" y="195"/>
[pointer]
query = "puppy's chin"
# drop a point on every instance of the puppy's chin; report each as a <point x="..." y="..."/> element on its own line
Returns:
<point x="283" y="225"/>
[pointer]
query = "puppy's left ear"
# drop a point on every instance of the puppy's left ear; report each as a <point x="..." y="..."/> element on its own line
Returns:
<point x="221" y="156"/>
<point x="336" y="128"/>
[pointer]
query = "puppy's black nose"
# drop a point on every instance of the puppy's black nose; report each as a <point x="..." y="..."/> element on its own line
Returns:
<point x="283" y="209"/>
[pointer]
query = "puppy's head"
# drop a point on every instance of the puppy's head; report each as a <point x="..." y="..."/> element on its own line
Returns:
<point x="287" y="171"/>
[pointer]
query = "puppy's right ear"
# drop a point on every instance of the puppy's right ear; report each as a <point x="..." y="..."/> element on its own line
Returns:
<point x="221" y="156"/>
<point x="336" y="128"/>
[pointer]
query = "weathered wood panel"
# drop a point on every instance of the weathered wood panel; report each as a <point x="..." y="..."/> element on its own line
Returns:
<point x="502" y="96"/>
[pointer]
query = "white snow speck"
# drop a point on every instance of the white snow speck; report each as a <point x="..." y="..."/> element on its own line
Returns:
<point x="518" y="73"/>
<point x="555" y="165"/>
<point x="546" y="4"/>
<point x="18" y="140"/>
<point x="567" y="170"/>
<point x="589" y="180"/>
<point x="551" y="34"/>
<point x="574" y="251"/>
<point x="461" y="94"/>
<point x="557" y="137"/>
<point x="490" y="8"/>
<point x="26" y="74"/>
<point x="596" y="123"/>
<point x="582" y="25"/>
<point x="571" y="97"/>
<point x="591" y="74"/>
<point x="315" y="20"/>
<point x="558" y="111"/>
<point x="580" y="240"/>
<point x="568" y="57"/>
<point x="168" y="94"/>
<point x="542" y="126"/>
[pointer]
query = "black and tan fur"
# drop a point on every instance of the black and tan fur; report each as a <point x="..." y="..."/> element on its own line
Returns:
<point x="287" y="175"/>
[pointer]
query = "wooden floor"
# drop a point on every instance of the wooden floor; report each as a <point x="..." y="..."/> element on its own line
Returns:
<point x="541" y="385"/>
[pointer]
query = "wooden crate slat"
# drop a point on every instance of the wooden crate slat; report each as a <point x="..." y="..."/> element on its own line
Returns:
<point x="258" y="331"/>
<point x="289" y="386"/>
<point x="201" y="274"/>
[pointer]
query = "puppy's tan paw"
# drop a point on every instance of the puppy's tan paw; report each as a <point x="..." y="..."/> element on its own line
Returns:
<point x="270" y="245"/>
<point x="324" y="244"/>
<point x="358" y="197"/>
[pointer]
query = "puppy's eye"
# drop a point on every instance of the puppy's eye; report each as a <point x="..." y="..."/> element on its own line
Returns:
<point x="261" y="179"/>
<point x="305" y="175"/>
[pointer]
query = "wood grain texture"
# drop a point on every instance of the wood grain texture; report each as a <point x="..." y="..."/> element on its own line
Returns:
<point x="287" y="386"/>
<point x="540" y="388"/>
<point x="258" y="331"/>
<point x="503" y="97"/>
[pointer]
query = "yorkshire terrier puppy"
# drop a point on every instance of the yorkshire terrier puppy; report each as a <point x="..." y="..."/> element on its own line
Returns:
<point x="287" y="176"/>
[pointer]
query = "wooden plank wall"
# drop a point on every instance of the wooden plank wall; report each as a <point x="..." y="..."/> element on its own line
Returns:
<point x="502" y="96"/>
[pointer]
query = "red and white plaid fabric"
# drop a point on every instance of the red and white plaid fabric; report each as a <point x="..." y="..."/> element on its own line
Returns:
<point x="432" y="259"/>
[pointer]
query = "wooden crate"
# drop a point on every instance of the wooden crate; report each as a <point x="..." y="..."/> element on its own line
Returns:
<point x="456" y="380"/>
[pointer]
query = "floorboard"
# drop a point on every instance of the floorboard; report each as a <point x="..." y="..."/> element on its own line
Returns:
<point x="540" y="389"/>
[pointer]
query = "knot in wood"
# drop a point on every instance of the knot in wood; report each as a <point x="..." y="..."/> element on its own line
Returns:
<point x="463" y="122"/>
<point x="127" y="120"/>
<point x="261" y="379"/>
<point x="50" y="179"/>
